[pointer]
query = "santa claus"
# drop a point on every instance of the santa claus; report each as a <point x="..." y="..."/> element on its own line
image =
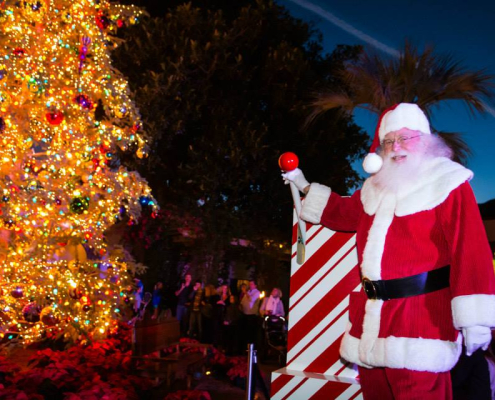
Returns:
<point x="426" y="266"/>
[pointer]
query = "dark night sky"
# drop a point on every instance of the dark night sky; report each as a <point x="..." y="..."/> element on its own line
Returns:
<point x="464" y="29"/>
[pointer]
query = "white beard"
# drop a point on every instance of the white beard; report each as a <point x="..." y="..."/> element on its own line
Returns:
<point x="394" y="176"/>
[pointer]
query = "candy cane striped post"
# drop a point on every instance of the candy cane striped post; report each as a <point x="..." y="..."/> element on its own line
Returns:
<point x="318" y="315"/>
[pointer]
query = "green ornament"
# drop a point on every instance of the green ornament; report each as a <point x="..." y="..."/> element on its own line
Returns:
<point x="79" y="204"/>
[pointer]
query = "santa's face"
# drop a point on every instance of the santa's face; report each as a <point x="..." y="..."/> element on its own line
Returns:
<point x="398" y="145"/>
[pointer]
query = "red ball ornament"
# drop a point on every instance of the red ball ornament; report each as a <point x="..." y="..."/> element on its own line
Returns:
<point x="136" y="127"/>
<point x="17" y="293"/>
<point x="288" y="161"/>
<point x="102" y="21"/>
<point x="19" y="52"/>
<point x="54" y="117"/>
<point x="49" y="320"/>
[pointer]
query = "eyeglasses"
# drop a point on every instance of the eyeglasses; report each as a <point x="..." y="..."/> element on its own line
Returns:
<point x="388" y="144"/>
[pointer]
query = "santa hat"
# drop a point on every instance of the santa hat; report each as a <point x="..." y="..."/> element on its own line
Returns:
<point x="403" y="115"/>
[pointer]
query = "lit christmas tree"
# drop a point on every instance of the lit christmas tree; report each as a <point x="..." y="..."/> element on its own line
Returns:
<point x="64" y="112"/>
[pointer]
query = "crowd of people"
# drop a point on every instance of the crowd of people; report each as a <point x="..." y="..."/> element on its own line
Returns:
<point x="227" y="317"/>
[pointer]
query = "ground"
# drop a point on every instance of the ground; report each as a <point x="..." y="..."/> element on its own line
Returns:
<point x="221" y="388"/>
<point x="215" y="382"/>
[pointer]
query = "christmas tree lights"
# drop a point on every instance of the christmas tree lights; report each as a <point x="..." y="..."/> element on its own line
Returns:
<point x="64" y="112"/>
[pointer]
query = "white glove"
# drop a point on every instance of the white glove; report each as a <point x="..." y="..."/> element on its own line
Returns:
<point x="476" y="337"/>
<point x="296" y="176"/>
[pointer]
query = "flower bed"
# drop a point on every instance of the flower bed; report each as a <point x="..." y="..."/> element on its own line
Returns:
<point x="234" y="367"/>
<point x="98" y="370"/>
<point x="189" y="395"/>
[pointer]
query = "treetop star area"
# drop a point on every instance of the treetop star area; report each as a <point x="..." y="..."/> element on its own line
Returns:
<point x="65" y="113"/>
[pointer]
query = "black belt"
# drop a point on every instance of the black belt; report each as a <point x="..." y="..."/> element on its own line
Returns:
<point x="414" y="285"/>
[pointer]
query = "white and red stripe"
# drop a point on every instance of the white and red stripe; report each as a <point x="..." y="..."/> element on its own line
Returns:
<point x="318" y="316"/>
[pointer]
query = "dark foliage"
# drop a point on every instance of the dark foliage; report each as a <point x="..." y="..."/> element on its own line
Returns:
<point x="487" y="210"/>
<point x="223" y="92"/>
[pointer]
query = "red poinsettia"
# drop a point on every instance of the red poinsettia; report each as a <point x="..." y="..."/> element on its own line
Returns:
<point x="188" y="395"/>
<point x="238" y="367"/>
<point x="100" y="370"/>
<point x="8" y="367"/>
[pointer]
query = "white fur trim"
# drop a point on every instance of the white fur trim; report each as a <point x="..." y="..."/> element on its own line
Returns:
<point x="372" y="163"/>
<point x="405" y="115"/>
<point x="437" y="178"/>
<point x="371" y="329"/>
<point x="375" y="242"/>
<point x="473" y="310"/>
<point x="315" y="202"/>
<point x="349" y="348"/>
<point x="415" y="354"/>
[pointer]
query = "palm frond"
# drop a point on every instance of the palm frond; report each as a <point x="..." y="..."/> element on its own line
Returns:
<point x="425" y="78"/>
<point x="329" y="101"/>
<point x="460" y="149"/>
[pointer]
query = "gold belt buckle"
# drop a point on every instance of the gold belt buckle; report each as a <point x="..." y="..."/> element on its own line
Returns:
<point x="369" y="289"/>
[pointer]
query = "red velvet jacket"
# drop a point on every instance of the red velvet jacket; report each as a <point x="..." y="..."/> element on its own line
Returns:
<point x="428" y="225"/>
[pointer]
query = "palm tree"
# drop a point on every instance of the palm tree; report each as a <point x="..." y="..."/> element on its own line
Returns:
<point x="427" y="79"/>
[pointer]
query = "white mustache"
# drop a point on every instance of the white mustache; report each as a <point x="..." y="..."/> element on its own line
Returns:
<point x="396" y="154"/>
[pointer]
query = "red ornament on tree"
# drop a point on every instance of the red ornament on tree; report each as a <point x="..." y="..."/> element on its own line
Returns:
<point x="17" y="293"/>
<point x="136" y="127"/>
<point x="288" y="161"/>
<point x="47" y="317"/>
<point x="19" y="52"/>
<point x="102" y="21"/>
<point x="54" y="117"/>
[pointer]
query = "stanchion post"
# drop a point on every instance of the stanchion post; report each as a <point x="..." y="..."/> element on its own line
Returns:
<point x="250" y="377"/>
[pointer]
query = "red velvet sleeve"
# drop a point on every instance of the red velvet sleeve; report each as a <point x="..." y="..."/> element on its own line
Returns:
<point x="342" y="213"/>
<point x="470" y="254"/>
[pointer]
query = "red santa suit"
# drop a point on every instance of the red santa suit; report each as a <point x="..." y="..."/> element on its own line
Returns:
<point x="432" y="222"/>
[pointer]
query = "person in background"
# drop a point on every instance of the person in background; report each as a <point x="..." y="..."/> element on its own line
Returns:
<point x="182" y="298"/>
<point x="196" y="303"/>
<point x="272" y="305"/>
<point x="138" y="294"/>
<point x="242" y="292"/>
<point x="157" y="299"/>
<point x="231" y="327"/>
<point x="250" y="305"/>
<point x="220" y="302"/>
<point x="207" y="313"/>
<point x="471" y="377"/>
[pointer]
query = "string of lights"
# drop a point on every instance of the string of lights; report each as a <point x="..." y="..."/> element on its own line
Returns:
<point x="64" y="113"/>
